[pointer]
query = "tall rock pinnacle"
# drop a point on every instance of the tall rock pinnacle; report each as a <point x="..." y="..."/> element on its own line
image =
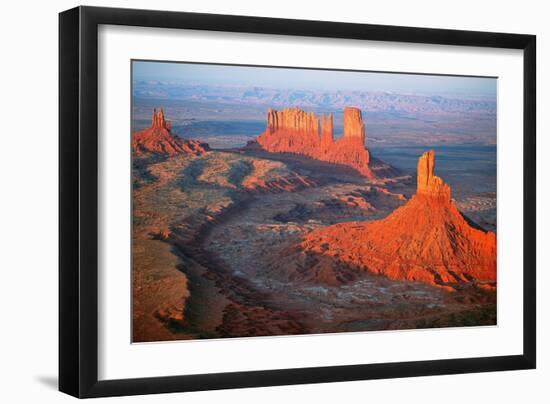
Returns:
<point x="427" y="182"/>
<point x="354" y="128"/>
<point x="158" y="121"/>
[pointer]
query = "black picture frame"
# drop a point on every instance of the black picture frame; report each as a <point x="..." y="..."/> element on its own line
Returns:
<point x="78" y="201"/>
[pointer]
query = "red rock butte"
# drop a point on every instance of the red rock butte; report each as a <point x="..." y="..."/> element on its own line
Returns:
<point x="426" y="240"/>
<point x="159" y="139"/>
<point x="295" y="131"/>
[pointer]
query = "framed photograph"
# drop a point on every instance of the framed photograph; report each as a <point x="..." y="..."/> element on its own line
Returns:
<point x="251" y="201"/>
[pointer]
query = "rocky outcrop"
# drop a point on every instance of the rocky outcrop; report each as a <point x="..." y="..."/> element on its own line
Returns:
<point x="159" y="139"/>
<point x="158" y="121"/>
<point x="295" y="131"/>
<point x="327" y="138"/>
<point x="354" y="128"/>
<point x="292" y="119"/>
<point x="427" y="183"/>
<point x="426" y="240"/>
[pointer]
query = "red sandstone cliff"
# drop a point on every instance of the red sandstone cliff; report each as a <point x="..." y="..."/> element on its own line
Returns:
<point x="354" y="128"/>
<point x="426" y="240"/>
<point x="158" y="139"/>
<point x="295" y="131"/>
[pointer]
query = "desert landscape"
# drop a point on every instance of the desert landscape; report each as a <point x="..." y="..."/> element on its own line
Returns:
<point x="296" y="225"/>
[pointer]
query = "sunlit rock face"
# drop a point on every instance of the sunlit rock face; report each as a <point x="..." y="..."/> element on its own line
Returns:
<point x="429" y="184"/>
<point x="159" y="139"/>
<point x="354" y="128"/>
<point x="426" y="240"/>
<point x="295" y="131"/>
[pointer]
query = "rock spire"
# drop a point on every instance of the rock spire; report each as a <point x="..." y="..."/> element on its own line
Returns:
<point x="427" y="183"/>
<point x="354" y="128"/>
<point x="158" y="121"/>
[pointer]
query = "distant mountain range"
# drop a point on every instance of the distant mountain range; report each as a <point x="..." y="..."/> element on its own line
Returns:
<point x="368" y="101"/>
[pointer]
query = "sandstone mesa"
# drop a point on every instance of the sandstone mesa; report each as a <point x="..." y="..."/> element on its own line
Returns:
<point x="159" y="139"/>
<point x="426" y="240"/>
<point x="295" y="131"/>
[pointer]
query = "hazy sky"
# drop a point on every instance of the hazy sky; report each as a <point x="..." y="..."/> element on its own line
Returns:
<point x="306" y="79"/>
